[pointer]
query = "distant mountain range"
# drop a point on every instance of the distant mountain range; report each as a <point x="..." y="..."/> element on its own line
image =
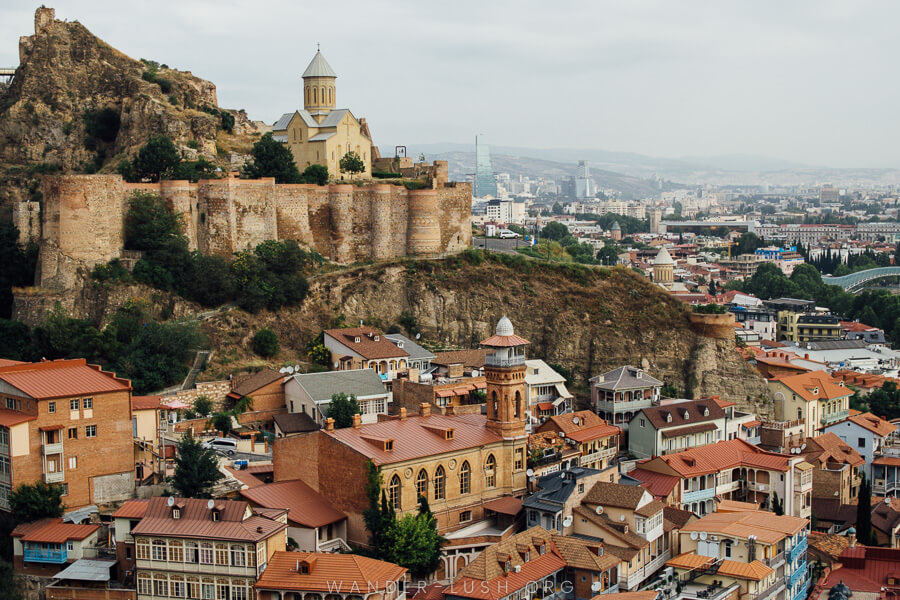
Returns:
<point x="637" y="174"/>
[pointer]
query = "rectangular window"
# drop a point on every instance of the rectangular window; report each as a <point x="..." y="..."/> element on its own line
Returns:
<point x="238" y="592"/>
<point x="70" y="546"/>
<point x="161" y="587"/>
<point x="238" y="558"/>
<point x="90" y="431"/>
<point x="73" y="433"/>
<point x="159" y="550"/>
<point x="520" y="453"/>
<point x="74" y="403"/>
<point x="861" y="443"/>
<point x="88" y="403"/>
<point x="144" y="585"/>
<point x="176" y="551"/>
<point x="143" y="549"/>
<point x="643" y="423"/>
<point x="222" y="554"/>
<point x="51" y="407"/>
<point x="206" y="554"/>
<point x="208" y="590"/>
<point x="465" y="516"/>
<point x="73" y="462"/>
<point x="178" y="589"/>
<point x="127" y="553"/>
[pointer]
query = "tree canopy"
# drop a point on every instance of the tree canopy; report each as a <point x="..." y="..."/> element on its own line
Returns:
<point x="342" y="408"/>
<point x="352" y="163"/>
<point x="33" y="501"/>
<point x="196" y="468"/>
<point x="156" y="158"/>
<point x="271" y="158"/>
<point x="554" y="231"/>
<point x="17" y="265"/>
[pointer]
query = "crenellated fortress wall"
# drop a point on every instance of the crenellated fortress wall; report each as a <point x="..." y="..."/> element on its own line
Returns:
<point x="82" y="220"/>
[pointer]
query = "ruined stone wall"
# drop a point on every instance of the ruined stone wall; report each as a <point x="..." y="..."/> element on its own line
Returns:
<point x="82" y="220"/>
<point x="26" y="216"/>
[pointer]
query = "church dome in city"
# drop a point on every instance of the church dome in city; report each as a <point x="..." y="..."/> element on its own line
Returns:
<point x="615" y="227"/>
<point x="504" y="327"/>
<point x="663" y="258"/>
<point x="319" y="67"/>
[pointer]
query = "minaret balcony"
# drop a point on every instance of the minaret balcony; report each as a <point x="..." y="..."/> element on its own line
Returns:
<point x="490" y="360"/>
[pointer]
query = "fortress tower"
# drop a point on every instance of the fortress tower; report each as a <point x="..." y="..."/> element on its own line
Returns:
<point x="318" y="87"/>
<point x="504" y="371"/>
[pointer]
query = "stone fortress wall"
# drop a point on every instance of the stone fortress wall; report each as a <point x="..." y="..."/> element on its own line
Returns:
<point x="82" y="220"/>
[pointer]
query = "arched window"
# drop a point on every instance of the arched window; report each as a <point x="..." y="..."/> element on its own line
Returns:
<point x="490" y="471"/>
<point x="323" y="95"/>
<point x="159" y="550"/>
<point x="494" y="404"/>
<point x="518" y="409"/>
<point x="465" y="478"/>
<point x="422" y="483"/>
<point x="439" y="481"/>
<point x="394" y="492"/>
<point x="315" y="96"/>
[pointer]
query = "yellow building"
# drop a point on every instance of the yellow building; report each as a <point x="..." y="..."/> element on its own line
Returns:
<point x="813" y="397"/>
<point x="320" y="133"/>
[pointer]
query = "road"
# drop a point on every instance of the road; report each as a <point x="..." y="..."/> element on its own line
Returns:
<point x="498" y="245"/>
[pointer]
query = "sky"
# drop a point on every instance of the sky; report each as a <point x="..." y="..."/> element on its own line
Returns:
<point x="813" y="82"/>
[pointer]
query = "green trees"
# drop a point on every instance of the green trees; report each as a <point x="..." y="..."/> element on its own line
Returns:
<point x="222" y="422"/>
<point x="864" y="513"/>
<point x="317" y="174"/>
<point x="156" y="158"/>
<point x="150" y="226"/>
<point x="203" y="405"/>
<point x="777" y="505"/>
<point x="9" y="586"/>
<point x="885" y="401"/>
<point x="342" y="408"/>
<point x="352" y="163"/>
<point x="196" y="469"/>
<point x="17" y="265"/>
<point x="554" y="231"/>
<point x="30" y="502"/>
<point x="608" y="254"/>
<point x="271" y="158"/>
<point x="265" y="343"/>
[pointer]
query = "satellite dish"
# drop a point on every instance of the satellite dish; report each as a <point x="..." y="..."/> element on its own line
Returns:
<point x="621" y="517"/>
<point x="297" y="368"/>
<point x="803" y="447"/>
<point x="210" y="504"/>
<point x="289" y="369"/>
<point x="171" y="501"/>
<point x="595" y="587"/>
<point x="567" y="521"/>
<point x="693" y="535"/>
<point x="418" y="335"/>
<point x="599" y="510"/>
<point x="530" y="472"/>
<point x="702" y="535"/>
<point x="336" y="365"/>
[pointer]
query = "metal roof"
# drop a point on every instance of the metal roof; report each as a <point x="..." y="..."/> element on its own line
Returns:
<point x="319" y="67"/>
<point x="283" y="121"/>
<point x="414" y="350"/>
<point x="61" y="379"/>
<point x="322" y="386"/>
<point x="321" y="137"/>
<point x="79" y="515"/>
<point x="625" y="378"/>
<point x="85" y="569"/>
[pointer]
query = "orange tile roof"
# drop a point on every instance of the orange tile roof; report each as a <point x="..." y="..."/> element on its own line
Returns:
<point x="828" y="447"/>
<point x="196" y="521"/>
<point x="735" y="506"/>
<point x="304" y="505"/>
<point x="890" y="461"/>
<point x="504" y="341"/>
<point x="61" y="378"/>
<point x="815" y="385"/>
<point x="145" y="402"/>
<point x="768" y="527"/>
<point x="5" y="362"/>
<point x="329" y="573"/>
<point x="505" y="505"/>
<point x="645" y="595"/>
<point x="367" y="347"/>
<point x="8" y="418"/>
<point x="416" y="437"/>
<point x="856" y="326"/>
<point x="581" y="426"/>
<point x="132" y="509"/>
<point x="829" y="543"/>
<point x="756" y="570"/>
<point x="658" y="484"/>
<point x="52" y="531"/>
<point x="876" y="425"/>
<point x="713" y="458"/>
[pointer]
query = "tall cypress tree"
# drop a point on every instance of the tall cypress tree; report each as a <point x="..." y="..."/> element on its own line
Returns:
<point x="864" y="513"/>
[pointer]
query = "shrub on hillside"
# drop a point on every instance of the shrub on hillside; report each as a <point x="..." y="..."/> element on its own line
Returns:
<point x="265" y="343"/>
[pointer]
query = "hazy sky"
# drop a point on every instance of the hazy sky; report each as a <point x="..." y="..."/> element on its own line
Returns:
<point x="814" y="82"/>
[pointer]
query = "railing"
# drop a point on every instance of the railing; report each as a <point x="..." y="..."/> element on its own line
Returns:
<point x="834" y="417"/>
<point x="775" y="560"/>
<point x="623" y="405"/>
<point x="335" y="545"/>
<point x="797" y="549"/>
<point x="695" y="495"/>
<point x="802" y="481"/>
<point x="769" y="592"/>
<point x="888" y="486"/>
<point x="55" y="477"/>
<point x="587" y="459"/>
<point x="758" y="487"/>
<point x="799" y="572"/>
<point x="515" y="361"/>
<point x="46" y="556"/>
<point x="728" y="486"/>
<point x="49" y="449"/>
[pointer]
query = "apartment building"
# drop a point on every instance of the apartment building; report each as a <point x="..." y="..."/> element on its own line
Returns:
<point x="812" y="397"/>
<point x="317" y="575"/>
<point x="545" y="391"/>
<point x="618" y="394"/>
<point x="838" y="467"/>
<point x="311" y="393"/>
<point x="774" y="547"/>
<point x="597" y="441"/>
<point x="555" y="496"/>
<point x="675" y="427"/>
<point x="193" y="548"/>
<point x="868" y="434"/>
<point x="365" y="348"/>
<point x="45" y="547"/>
<point x="736" y="470"/>
<point x="69" y="423"/>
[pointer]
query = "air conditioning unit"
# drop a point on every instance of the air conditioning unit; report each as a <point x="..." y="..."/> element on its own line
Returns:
<point x="714" y="538"/>
<point x="517" y="569"/>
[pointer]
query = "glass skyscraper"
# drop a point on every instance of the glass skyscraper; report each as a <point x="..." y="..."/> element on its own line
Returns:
<point x="485" y="184"/>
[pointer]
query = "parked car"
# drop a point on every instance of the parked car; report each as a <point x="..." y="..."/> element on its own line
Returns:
<point x="222" y="445"/>
<point x="504" y="234"/>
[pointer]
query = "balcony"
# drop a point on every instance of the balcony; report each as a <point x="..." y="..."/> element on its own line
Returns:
<point x="599" y="455"/>
<point x="46" y="556"/>
<point x="55" y="477"/>
<point x="798" y="574"/>
<point x="623" y="405"/>
<point x="775" y="561"/>
<point x="758" y="487"/>
<point x="883" y="487"/>
<point x="727" y="486"/>
<point x="834" y="417"/>
<point x="769" y="592"/>
<point x="797" y="550"/>
<point x="50" y="449"/>
<point x="515" y="361"/>
<point x="697" y="495"/>
<point x="335" y="545"/>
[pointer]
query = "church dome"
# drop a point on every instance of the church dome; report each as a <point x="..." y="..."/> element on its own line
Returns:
<point x="504" y="327"/>
<point x="319" y="67"/>
<point x="663" y="258"/>
<point x="615" y="227"/>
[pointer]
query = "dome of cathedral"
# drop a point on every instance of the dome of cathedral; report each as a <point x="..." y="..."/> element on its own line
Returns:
<point x="663" y="258"/>
<point x="504" y="327"/>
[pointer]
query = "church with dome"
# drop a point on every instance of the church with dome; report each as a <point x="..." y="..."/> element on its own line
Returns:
<point x="319" y="133"/>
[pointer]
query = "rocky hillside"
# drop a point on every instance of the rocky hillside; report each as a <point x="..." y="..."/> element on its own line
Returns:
<point x="77" y="104"/>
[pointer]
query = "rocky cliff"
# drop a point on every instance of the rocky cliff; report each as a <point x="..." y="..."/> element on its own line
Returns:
<point x="78" y="105"/>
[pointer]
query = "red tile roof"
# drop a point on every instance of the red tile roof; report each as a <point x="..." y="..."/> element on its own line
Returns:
<point x="5" y="362"/>
<point x="8" y="418"/>
<point x="504" y="341"/>
<point x="132" y="509"/>
<point x="52" y="531"/>
<point x="467" y="358"/>
<point x="658" y="484"/>
<point x="876" y="425"/>
<point x="815" y="385"/>
<point x="367" y="346"/>
<point x="505" y="505"/>
<point x="145" y="402"/>
<point x="416" y="437"/>
<point x="891" y="461"/>
<point x="856" y="326"/>
<point x="61" y="378"/>
<point x="196" y="521"/>
<point x="581" y="426"/>
<point x="829" y="448"/>
<point x="304" y="505"/>
<point x="245" y="477"/>
<point x="866" y="569"/>
<point x="329" y="573"/>
<point x="713" y="458"/>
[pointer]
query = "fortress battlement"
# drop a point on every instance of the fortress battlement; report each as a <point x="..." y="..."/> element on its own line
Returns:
<point x="82" y="219"/>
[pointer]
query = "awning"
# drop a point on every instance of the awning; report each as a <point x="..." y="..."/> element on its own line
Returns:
<point x="562" y="391"/>
<point x="559" y="401"/>
<point x="480" y="385"/>
<point x="505" y="505"/>
<point x="443" y="393"/>
<point x="85" y="569"/>
<point x="461" y="391"/>
<point x="50" y="428"/>
<point x="672" y="433"/>
<point x="545" y="405"/>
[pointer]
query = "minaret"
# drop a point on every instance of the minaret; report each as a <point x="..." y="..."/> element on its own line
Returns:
<point x="318" y="86"/>
<point x="504" y="372"/>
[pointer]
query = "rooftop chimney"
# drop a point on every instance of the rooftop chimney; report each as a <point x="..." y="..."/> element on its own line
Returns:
<point x="329" y="424"/>
<point x="403" y="414"/>
<point x="425" y="409"/>
<point x="357" y="421"/>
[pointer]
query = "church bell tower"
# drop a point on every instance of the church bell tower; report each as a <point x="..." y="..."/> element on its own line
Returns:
<point x="318" y="86"/>
<point x="504" y="372"/>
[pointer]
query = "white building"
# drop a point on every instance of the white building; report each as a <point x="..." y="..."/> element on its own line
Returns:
<point x="545" y="392"/>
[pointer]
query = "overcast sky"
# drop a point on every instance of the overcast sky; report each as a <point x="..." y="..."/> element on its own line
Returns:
<point x="814" y="82"/>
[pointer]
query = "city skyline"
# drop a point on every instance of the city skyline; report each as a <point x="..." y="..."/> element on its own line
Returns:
<point x="789" y="82"/>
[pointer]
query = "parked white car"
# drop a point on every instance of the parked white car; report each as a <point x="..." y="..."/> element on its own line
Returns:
<point x="222" y="445"/>
<point x="504" y="234"/>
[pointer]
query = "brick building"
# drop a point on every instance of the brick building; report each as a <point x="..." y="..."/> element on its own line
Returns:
<point x="69" y="423"/>
<point x="596" y="440"/>
<point x="266" y="387"/>
<point x="317" y="575"/>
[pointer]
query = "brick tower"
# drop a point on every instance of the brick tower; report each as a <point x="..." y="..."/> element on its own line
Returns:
<point x="504" y="371"/>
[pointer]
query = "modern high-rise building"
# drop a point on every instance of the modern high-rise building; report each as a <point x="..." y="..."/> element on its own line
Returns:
<point x="485" y="183"/>
<point x="584" y="185"/>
